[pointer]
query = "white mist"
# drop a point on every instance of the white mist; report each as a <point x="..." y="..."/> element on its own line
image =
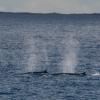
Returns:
<point x="31" y="57"/>
<point x="70" y="60"/>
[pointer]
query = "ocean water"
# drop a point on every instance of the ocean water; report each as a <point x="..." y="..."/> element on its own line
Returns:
<point x="53" y="42"/>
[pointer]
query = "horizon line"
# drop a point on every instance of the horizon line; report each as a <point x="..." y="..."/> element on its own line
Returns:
<point x="49" y="13"/>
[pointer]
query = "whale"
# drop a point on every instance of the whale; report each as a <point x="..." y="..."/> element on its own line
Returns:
<point x="74" y="74"/>
<point x="47" y="73"/>
<point x="36" y="72"/>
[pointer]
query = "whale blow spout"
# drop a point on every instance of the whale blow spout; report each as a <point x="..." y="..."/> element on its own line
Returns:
<point x="70" y="60"/>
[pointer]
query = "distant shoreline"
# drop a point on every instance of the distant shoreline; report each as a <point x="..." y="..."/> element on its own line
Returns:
<point x="51" y="13"/>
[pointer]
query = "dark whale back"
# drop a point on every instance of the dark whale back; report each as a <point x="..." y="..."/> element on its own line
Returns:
<point x="46" y="72"/>
<point x="78" y="74"/>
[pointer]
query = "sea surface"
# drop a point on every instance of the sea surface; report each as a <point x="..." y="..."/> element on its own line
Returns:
<point x="57" y="43"/>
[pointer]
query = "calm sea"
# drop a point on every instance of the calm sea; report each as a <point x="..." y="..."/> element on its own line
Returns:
<point x="52" y="42"/>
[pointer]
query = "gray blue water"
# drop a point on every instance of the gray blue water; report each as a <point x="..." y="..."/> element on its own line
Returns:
<point x="52" y="42"/>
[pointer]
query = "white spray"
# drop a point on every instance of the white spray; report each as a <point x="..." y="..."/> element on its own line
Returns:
<point x="70" y="57"/>
<point x="31" y="57"/>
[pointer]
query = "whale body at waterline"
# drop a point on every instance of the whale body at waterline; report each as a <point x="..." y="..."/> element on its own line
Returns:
<point x="47" y="73"/>
<point x="78" y="74"/>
